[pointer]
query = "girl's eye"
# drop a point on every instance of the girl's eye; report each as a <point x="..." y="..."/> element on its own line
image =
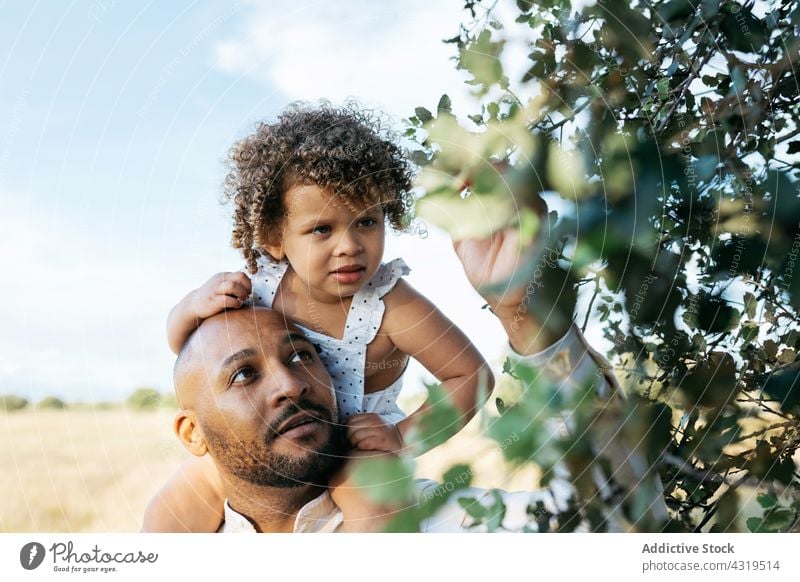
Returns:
<point x="242" y="375"/>
<point x="301" y="357"/>
<point x="323" y="229"/>
<point x="367" y="222"/>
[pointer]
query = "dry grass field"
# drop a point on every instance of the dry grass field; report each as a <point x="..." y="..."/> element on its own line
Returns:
<point x="84" y="470"/>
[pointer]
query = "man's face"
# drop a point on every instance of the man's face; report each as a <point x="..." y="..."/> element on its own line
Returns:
<point x="268" y="414"/>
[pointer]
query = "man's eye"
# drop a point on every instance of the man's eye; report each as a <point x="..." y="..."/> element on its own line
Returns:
<point x="301" y="357"/>
<point x="243" y="375"/>
<point x="323" y="229"/>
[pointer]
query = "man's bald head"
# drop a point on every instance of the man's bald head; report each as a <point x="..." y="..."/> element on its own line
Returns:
<point x="215" y="331"/>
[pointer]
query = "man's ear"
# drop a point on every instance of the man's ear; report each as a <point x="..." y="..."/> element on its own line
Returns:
<point x="189" y="432"/>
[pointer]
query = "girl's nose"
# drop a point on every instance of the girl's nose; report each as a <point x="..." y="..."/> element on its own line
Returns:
<point x="349" y="245"/>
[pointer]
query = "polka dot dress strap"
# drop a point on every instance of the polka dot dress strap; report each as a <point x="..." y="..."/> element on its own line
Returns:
<point x="367" y="308"/>
<point x="267" y="280"/>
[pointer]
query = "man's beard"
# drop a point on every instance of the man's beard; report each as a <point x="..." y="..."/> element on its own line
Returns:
<point x="256" y="463"/>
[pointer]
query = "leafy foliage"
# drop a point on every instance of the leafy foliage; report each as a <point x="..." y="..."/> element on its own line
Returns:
<point x="144" y="399"/>
<point x="52" y="402"/>
<point x="669" y="131"/>
<point x="11" y="402"/>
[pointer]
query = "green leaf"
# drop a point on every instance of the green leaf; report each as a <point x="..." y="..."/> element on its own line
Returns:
<point x="496" y="512"/>
<point x="778" y="520"/>
<point x="744" y="31"/>
<point x="712" y="381"/>
<point x="784" y="386"/>
<point x="419" y="157"/>
<point x="770" y="349"/>
<point x="662" y="86"/>
<point x="716" y="315"/>
<point x="625" y="29"/>
<point x="444" y="105"/>
<point x="675" y="9"/>
<point x="473" y="507"/>
<point x="385" y="479"/>
<point x="460" y="476"/>
<point x="750" y="304"/>
<point x="423" y="114"/>
<point x="795" y="17"/>
<point x="471" y="217"/>
<point x="754" y="524"/>
<point x="525" y="5"/>
<point x="437" y="423"/>
<point x="767" y="500"/>
<point x="749" y="331"/>
<point x="481" y="58"/>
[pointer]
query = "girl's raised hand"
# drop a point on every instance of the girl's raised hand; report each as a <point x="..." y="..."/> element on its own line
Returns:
<point x="220" y="292"/>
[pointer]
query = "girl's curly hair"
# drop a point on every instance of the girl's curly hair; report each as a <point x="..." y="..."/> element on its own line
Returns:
<point x="343" y="150"/>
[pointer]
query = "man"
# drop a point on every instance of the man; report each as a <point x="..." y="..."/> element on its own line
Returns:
<point x="256" y="398"/>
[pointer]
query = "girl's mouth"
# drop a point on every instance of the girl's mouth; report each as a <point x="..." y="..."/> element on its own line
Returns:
<point x="349" y="274"/>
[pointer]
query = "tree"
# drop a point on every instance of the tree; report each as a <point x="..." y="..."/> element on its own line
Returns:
<point x="145" y="399"/>
<point x="669" y="130"/>
<point x="12" y="402"/>
<point x="51" y="402"/>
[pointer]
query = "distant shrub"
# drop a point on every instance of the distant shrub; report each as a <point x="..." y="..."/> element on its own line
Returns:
<point x="170" y="401"/>
<point x="10" y="402"/>
<point x="144" y="399"/>
<point x="52" y="402"/>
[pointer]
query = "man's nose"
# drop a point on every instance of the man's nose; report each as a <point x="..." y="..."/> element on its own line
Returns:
<point x="349" y="244"/>
<point x="286" y="386"/>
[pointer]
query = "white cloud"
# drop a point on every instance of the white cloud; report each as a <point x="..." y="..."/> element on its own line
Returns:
<point x="387" y="54"/>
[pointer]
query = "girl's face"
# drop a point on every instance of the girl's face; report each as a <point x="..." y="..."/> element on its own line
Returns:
<point x="333" y="250"/>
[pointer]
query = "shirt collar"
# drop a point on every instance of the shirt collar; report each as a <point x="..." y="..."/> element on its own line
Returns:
<point x="319" y="515"/>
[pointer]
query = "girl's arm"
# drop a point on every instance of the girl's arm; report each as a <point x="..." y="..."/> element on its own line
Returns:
<point x="191" y="501"/>
<point x="220" y="292"/>
<point x="419" y="329"/>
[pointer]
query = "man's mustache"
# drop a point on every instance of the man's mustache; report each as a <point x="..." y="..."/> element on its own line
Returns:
<point x="314" y="409"/>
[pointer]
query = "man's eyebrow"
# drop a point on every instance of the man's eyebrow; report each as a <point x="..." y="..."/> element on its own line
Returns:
<point x="240" y="355"/>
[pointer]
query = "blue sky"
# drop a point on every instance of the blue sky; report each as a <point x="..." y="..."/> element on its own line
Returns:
<point x="115" y="118"/>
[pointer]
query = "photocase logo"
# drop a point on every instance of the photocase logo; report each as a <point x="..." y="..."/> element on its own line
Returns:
<point x="31" y="555"/>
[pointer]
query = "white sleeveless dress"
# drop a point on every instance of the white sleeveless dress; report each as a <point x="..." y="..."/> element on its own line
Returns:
<point x="345" y="358"/>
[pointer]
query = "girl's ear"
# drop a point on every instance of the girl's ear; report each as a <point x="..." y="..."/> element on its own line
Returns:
<point x="275" y="251"/>
<point x="272" y="242"/>
<point x="189" y="432"/>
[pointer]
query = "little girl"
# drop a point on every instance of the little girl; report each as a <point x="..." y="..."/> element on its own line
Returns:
<point x="312" y="194"/>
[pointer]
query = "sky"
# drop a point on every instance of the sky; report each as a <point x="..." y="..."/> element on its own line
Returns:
<point x="115" y="119"/>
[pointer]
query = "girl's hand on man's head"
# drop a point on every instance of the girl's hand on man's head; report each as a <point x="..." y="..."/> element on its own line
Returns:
<point x="222" y="291"/>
